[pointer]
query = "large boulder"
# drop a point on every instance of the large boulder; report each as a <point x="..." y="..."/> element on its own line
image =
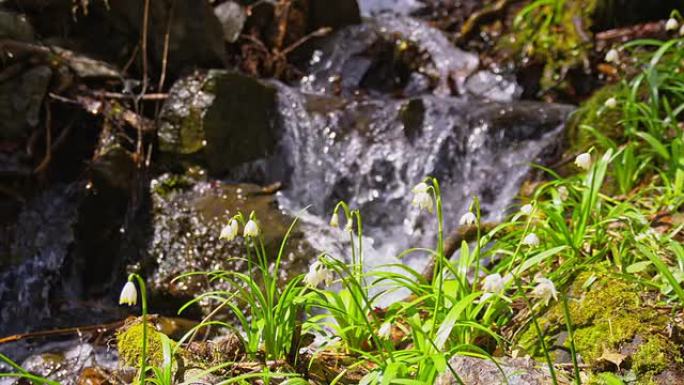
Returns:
<point x="224" y="119"/>
<point x="188" y="213"/>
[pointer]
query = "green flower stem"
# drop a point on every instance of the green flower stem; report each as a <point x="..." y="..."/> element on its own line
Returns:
<point x="143" y="300"/>
<point x="571" y="338"/>
<point x="537" y="328"/>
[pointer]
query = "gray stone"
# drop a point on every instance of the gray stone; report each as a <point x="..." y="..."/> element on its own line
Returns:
<point x="478" y="371"/>
<point x="21" y="98"/>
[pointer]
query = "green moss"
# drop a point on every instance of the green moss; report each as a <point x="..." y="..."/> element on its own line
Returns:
<point x="654" y="356"/>
<point x="129" y="342"/>
<point x="593" y="113"/>
<point x="556" y="34"/>
<point x="604" y="316"/>
<point x="167" y="183"/>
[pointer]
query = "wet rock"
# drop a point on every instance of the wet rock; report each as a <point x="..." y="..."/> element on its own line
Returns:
<point x="478" y="371"/>
<point x="491" y="86"/>
<point x="232" y="17"/>
<point x="401" y="7"/>
<point x="21" y="98"/>
<point x="393" y="54"/>
<point x="63" y="361"/>
<point x="224" y="119"/>
<point x="15" y="26"/>
<point x="188" y="214"/>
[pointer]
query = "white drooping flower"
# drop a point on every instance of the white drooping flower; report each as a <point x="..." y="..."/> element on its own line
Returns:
<point x="129" y="295"/>
<point x="251" y="229"/>
<point x="563" y="193"/>
<point x="229" y="231"/>
<point x="335" y="220"/>
<point x="467" y="219"/>
<point x="385" y="330"/>
<point x="421" y="187"/>
<point x="583" y="160"/>
<point x="493" y="283"/>
<point x="610" y="103"/>
<point x="349" y="226"/>
<point x="681" y="30"/>
<point x="531" y="239"/>
<point x="671" y="24"/>
<point x="527" y="209"/>
<point x="318" y="273"/>
<point x="423" y="201"/>
<point x="612" y="56"/>
<point x="421" y="196"/>
<point x="545" y="290"/>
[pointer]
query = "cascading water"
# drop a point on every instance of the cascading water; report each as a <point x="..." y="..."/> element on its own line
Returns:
<point x="370" y="150"/>
<point x="371" y="153"/>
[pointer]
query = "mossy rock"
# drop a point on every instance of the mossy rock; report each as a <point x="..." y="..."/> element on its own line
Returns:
<point x="610" y="316"/>
<point x="129" y="344"/>
<point x="593" y="113"/>
<point x="560" y="41"/>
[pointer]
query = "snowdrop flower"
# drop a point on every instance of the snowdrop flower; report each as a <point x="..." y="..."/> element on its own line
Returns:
<point x="610" y="103"/>
<point x="612" y="56"/>
<point x="545" y="290"/>
<point x="229" y="231"/>
<point x="251" y="229"/>
<point x="385" y="330"/>
<point x="318" y="273"/>
<point x="421" y="187"/>
<point x="129" y="295"/>
<point x="671" y="24"/>
<point x="583" y="161"/>
<point x="422" y="200"/>
<point x="563" y="193"/>
<point x="681" y="30"/>
<point x="348" y="226"/>
<point x="531" y="240"/>
<point x="421" y="197"/>
<point x="493" y="283"/>
<point x="527" y="209"/>
<point x="467" y="219"/>
<point x="335" y="220"/>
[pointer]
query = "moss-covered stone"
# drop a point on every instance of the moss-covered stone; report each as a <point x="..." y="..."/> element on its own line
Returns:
<point x="656" y="355"/>
<point x="559" y="38"/>
<point x="129" y="345"/>
<point x="593" y="113"/>
<point x="607" y="316"/>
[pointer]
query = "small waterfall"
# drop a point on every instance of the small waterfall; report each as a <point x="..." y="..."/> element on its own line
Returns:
<point x="370" y="153"/>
